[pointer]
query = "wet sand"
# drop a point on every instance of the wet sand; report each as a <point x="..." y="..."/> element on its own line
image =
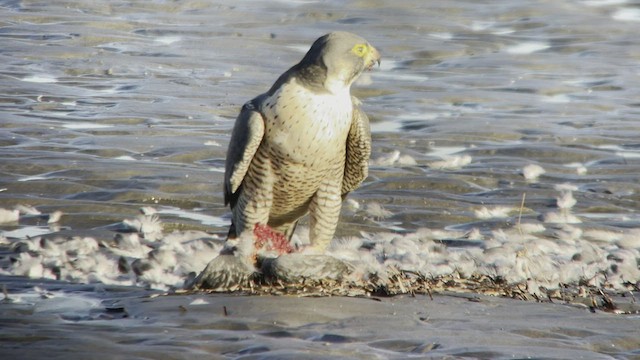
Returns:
<point x="128" y="324"/>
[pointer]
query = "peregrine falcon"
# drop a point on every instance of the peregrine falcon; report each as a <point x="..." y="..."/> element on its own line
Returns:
<point x="299" y="148"/>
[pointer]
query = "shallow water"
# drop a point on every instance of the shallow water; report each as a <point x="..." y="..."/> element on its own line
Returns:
<point x="110" y="106"/>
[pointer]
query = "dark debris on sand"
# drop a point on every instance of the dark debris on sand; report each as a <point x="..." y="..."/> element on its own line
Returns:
<point x="411" y="283"/>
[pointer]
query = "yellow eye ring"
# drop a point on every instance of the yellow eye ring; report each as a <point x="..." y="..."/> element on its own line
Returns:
<point x="360" y="49"/>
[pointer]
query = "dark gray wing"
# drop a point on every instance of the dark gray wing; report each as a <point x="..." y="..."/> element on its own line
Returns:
<point x="246" y="137"/>
<point x="356" y="167"/>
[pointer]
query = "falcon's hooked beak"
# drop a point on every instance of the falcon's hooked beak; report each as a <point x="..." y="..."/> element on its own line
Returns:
<point x="371" y="58"/>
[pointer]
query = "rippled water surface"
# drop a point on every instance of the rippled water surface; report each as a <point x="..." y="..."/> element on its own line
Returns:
<point x="490" y="120"/>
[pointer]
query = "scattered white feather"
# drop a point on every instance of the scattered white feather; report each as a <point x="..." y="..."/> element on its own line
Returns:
<point x="496" y="212"/>
<point x="129" y="245"/>
<point x="345" y="244"/>
<point x="560" y="217"/>
<point x="531" y="228"/>
<point x="27" y="265"/>
<point x="79" y="245"/>
<point x="388" y="159"/>
<point x="199" y="301"/>
<point x="527" y="253"/>
<point x="394" y="158"/>
<point x="27" y="210"/>
<point x="451" y="162"/>
<point x="532" y="172"/>
<point x="351" y="204"/>
<point x="603" y="235"/>
<point x="54" y="217"/>
<point x="164" y="258"/>
<point x="149" y="226"/>
<point x="407" y="160"/>
<point x="580" y="168"/>
<point x="568" y="233"/>
<point x="630" y="239"/>
<point x="159" y="279"/>
<point x="9" y="216"/>
<point x="566" y="200"/>
<point x="377" y="211"/>
<point x="624" y="266"/>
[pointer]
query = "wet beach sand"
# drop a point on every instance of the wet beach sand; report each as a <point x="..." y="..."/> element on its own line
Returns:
<point x="81" y="321"/>
<point x="503" y="185"/>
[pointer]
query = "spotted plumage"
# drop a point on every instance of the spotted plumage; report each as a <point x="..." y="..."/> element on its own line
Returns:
<point x="300" y="147"/>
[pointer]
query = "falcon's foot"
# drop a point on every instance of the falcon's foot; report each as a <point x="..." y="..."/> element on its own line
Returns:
<point x="225" y="273"/>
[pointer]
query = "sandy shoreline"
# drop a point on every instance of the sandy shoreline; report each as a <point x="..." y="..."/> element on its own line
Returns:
<point x="126" y="323"/>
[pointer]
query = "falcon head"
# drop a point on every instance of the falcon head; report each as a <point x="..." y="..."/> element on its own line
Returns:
<point x="336" y="60"/>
